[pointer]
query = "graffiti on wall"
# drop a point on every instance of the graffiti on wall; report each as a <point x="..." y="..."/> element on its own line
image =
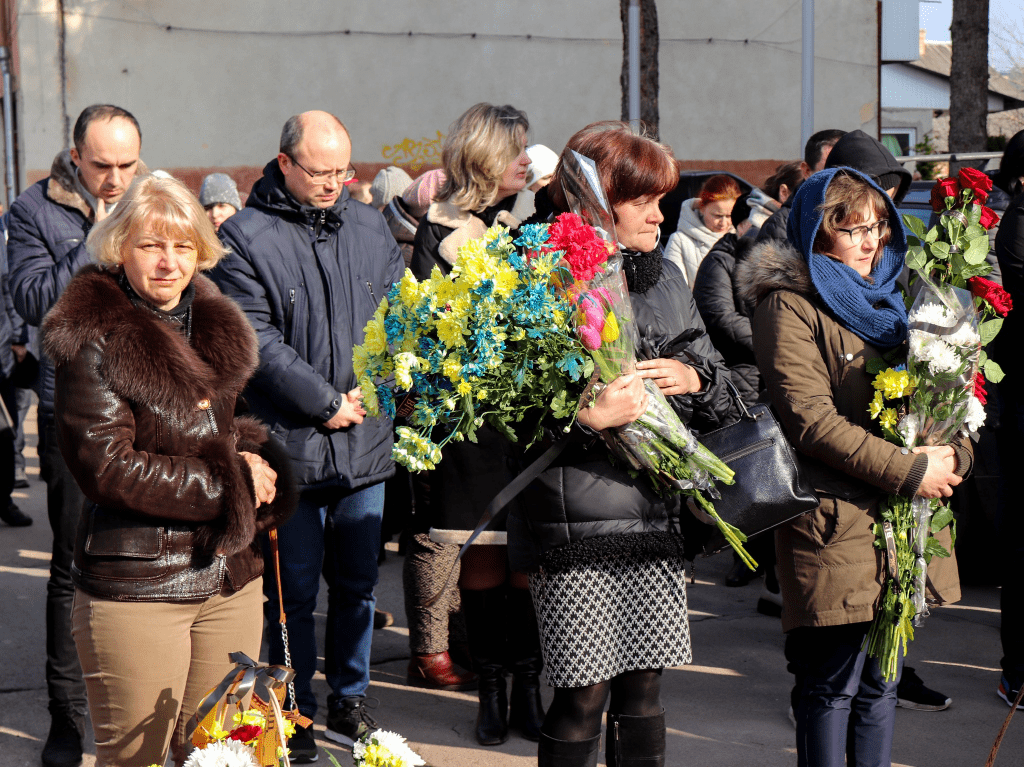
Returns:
<point x="414" y="154"/>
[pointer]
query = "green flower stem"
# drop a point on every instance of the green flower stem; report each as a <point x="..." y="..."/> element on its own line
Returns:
<point x="733" y="535"/>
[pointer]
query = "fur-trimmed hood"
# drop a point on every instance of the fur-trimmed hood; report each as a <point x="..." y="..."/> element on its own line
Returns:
<point x="467" y="226"/>
<point x="146" y="360"/>
<point x="64" y="188"/>
<point x="772" y="265"/>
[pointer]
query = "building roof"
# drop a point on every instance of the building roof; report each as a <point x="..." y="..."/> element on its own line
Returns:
<point x="937" y="58"/>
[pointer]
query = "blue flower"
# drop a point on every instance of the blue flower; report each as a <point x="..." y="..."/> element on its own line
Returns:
<point x="532" y="236"/>
<point x="387" y="400"/>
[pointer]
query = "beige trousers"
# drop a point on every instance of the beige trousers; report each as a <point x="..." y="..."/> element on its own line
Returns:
<point x="147" y="666"/>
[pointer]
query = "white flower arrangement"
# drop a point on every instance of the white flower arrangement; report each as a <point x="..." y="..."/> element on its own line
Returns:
<point x="222" y="753"/>
<point x="975" y="414"/>
<point x="933" y="314"/>
<point x="384" y="749"/>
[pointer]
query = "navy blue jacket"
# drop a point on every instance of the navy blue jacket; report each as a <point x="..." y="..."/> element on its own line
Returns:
<point x="309" y="280"/>
<point x="45" y="247"/>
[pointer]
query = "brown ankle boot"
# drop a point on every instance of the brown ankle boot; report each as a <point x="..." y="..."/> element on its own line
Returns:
<point x="437" y="672"/>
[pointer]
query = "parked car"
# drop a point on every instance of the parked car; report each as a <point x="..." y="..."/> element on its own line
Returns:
<point x="690" y="182"/>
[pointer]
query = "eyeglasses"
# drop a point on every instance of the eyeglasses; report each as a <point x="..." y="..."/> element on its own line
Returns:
<point x="321" y="177"/>
<point x="858" y="233"/>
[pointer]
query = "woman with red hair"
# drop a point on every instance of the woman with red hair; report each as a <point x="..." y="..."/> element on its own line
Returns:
<point x="702" y="222"/>
<point x="602" y="548"/>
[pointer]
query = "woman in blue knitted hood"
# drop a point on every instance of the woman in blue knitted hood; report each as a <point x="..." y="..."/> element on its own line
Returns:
<point x="827" y="304"/>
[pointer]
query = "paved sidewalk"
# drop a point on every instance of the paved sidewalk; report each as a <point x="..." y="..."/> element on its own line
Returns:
<point x="728" y="708"/>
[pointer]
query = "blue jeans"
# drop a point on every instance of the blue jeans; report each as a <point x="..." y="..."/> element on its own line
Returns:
<point x="843" y="707"/>
<point x="334" y="532"/>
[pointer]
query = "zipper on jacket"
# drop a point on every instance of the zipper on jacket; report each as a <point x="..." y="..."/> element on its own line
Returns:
<point x="288" y="316"/>
<point x="618" y="745"/>
<point x="369" y="287"/>
<point x="748" y="450"/>
<point x="222" y="566"/>
<point x="212" y="420"/>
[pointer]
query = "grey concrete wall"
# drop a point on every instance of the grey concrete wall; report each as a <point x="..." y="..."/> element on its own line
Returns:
<point x="211" y="83"/>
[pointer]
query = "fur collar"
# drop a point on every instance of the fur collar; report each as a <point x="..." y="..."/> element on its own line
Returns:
<point x="62" y="186"/>
<point x="772" y="265"/>
<point x="145" y="360"/>
<point x="468" y="226"/>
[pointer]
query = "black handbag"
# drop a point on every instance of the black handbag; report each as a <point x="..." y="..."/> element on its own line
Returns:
<point x="769" y="488"/>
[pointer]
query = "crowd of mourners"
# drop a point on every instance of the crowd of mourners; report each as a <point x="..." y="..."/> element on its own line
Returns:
<point x="199" y="423"/>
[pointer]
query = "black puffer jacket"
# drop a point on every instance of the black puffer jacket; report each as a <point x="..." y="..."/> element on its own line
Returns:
<point x="596" y="507"/>
<point x="309" y="280"/>
<point x="726" y="312"/>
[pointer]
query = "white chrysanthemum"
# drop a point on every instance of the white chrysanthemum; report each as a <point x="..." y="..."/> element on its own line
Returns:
<point x="396" y="744"/>
<point x="918" y="340"/>
<point x="941" y="357"/>
<point x="966" y="337"/>
<point x="909" y="427"/>
<point x="975" y="413"/>
<point x="223" y="753"/>
<point x="933" y="314"/>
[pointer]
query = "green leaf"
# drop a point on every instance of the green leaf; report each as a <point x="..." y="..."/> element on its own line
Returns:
<point x="934" y="549"/>
<point x="914" y="224"/>
<point x="993" y="372"/>
<point x="989" y="330"/>
<point x="975" y="230"/>
<point x="977" y="251"/>
<point x="876" y="366"/>
<point x="940" y="249"/>
<point x="941" y="518"/>
<point x="932" y="234"/>
<point x="916" y="257"/>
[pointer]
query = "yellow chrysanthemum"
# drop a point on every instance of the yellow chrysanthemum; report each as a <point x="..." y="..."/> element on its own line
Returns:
<point x="452" y="368"/>
<point x="888" y="418"/>
<point x="518" y="334"/>
<point x="876" y="405"/>
<point x="369" y="392"/>
<point x="409" y="289"/>
<point x="505" y="281"/>
<point x="463" y="388"/>
<point x="610" y="332"/>
<point x="375" y="339"/>
<point x="405" y="363"/>
<point x="482" y="394"/>
<point x="449" y="330"/>
<point x="251" y="716"/>
<point x="360" y="360"/>
<point x="893" y="383"/>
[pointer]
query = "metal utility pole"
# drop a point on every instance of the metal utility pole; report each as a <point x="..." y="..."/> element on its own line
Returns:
<point x="807" y="73"/>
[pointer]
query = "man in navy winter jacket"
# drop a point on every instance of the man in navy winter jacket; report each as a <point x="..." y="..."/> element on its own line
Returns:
<point x="309" y="266"/>
<point x="46" y="246"/>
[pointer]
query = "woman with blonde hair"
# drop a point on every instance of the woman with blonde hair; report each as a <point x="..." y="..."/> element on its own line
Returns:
<point x="485" y="165"/>
<point x="150" y="359"/>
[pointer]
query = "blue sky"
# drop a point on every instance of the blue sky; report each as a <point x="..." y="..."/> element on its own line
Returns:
<point x="936" y="17"/>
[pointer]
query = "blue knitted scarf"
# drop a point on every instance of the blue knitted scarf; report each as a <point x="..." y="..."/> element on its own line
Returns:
<point x="873" y="310"/>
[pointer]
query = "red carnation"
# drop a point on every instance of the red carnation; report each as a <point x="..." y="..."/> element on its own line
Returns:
<point x="246" y="733"/>
<point x="944" y="187"/>
<point x="976" y="181"/>
<point x="585" y="251"/>
<point x="989" y="217"/>
<point x="979" y="388"/>
<point x="994" y="294"/>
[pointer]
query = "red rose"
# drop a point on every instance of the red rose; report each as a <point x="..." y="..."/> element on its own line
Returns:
<point x="994" y="294"/>
<point x="989" y="217"/>
<point x="979" y="388"/>
<point x="944" y="187"/>
<point x="976" y="181"/>
<point x="246" y="733"/>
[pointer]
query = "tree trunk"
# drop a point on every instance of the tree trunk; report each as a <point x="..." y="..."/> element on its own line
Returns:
<point x="968" y="80"/>
<point x="648" y="63"/>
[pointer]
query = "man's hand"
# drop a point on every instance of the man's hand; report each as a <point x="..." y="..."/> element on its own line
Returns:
<point x="940" y="479"/>
<point x="350" y="412"/>
<point x="101" y="209"/>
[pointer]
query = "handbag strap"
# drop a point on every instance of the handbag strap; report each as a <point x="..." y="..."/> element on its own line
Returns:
<point x="727" y="380"/>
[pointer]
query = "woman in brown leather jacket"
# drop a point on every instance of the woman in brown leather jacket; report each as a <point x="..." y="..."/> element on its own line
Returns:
<point x="150" y="359"/>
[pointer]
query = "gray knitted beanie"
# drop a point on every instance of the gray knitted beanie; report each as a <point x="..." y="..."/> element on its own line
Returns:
<point x="219" y="187"/>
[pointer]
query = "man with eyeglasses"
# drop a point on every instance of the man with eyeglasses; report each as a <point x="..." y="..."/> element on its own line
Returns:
<point x="309" y="265"/>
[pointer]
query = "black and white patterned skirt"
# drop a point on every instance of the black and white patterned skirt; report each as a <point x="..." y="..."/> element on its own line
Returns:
<point x="601" y="619"/>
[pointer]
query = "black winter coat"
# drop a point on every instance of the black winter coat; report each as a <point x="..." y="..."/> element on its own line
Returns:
<point x="727" y="313"/>
<point x="586" y="501"/>
<point x="775" y="227"/>
<point x="1010" y="252"/>
<point x="309" y="280"/>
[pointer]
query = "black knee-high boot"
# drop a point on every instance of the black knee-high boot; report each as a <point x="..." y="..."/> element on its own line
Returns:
<point x="567" y="753"/>
<point x="635" y="741"/>
<point x="486" y="615"/>
<point x="526" y="712"/>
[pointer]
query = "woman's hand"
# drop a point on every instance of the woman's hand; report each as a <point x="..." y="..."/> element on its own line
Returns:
<point x="940" y="478"/>
<point x="263" y="478"/>
<point x="672" y="376"/>
<point x="620" y="402"/>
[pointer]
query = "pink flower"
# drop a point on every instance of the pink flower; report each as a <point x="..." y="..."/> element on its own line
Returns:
<point x="589" y="337"/>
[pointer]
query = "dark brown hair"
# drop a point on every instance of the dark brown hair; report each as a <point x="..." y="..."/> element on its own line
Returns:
<point x="844" y="203"/>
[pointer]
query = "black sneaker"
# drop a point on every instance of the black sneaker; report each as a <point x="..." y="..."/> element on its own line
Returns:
<point x="20" y="479"/>
<point x="15" y="517"/>
<point x="63" y="747"/>
<point x="302" y="748"/>
<point x="1007" y="693"/>
<point x="350" y="721"/>
<point x="911" y="693"/>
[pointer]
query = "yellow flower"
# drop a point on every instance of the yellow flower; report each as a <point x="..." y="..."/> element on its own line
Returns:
<point x="888" y="418"/>
<point x="610" y="332"/>
<point x="452" y="368"/>
<point x="505" y="281"/>
<point x="375" y="339"/>
<point x="518" y="334"/>
<point x="409" y="289"/>
<point x="482" y="394"/>
<point x="450" y="329"/>
<point x="893" y="383"/>
<point x="217" y="732"/>
<point x="464" y="387"/>
<point x="360" y="360"/>
<point x="369" y="392"/>
<point x="876" y="405"/>
<point x="405" y="362"/>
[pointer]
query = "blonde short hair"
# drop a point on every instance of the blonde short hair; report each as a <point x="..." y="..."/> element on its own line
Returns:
<point x="170" y="207"/>
<point x="478" y="148"/>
